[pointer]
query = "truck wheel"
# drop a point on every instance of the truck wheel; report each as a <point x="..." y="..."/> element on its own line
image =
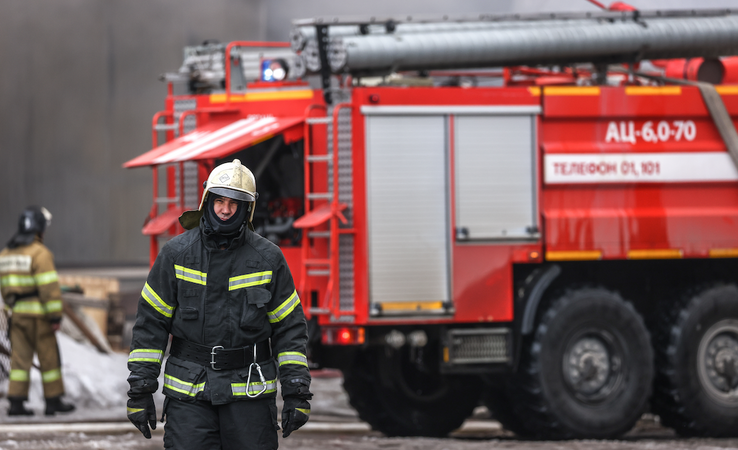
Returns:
<point x="397" y="398"/>
<point x="696" y="385"/>
<point x="587" y="370"/>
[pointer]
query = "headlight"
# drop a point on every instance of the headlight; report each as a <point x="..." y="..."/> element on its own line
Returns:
<point x="273" y="70"/>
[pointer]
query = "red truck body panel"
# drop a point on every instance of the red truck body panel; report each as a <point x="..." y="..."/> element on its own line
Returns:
<point x="622" y="173"/>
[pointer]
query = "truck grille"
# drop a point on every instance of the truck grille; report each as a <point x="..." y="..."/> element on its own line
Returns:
<point x="479" y="346"/>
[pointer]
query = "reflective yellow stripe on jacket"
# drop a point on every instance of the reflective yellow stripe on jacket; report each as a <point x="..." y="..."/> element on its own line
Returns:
<point x="15" y="280"/>
<point x="248" y="280"/>
<point x="29" y="307"/>
<point x="191" y="275"/>
<point x="53" y="306"/>
<point x="182" y="387"/>
<point x="35" y="307"/>
<point x="284" y="309"/>
<point x="254" y="388"/>
<point x="292" y="358"/>
<point x="46" y="277"/>
<point x="156" y="302"/>
<point x="146" y="355"/>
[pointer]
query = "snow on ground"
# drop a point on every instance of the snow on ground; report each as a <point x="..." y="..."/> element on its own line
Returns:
<point x="96" y="383"/>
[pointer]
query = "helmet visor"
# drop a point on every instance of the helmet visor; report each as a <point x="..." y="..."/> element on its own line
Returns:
<point x="230" y="193"/>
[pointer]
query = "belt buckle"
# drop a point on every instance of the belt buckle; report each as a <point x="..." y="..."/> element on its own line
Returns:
<point x="212" y="356"/>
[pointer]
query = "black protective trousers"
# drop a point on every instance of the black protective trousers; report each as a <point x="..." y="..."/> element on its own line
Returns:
<point x="238" y="425"/>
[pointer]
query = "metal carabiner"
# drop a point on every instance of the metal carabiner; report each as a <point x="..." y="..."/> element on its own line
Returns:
<point x="261" y="377"/>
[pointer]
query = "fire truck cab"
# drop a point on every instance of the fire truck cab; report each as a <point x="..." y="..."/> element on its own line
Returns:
<point x="553" y="235"/>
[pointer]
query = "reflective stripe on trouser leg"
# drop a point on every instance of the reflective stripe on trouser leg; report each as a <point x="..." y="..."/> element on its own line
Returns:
<point x="22" y="341"/>
<point x="203" y="425"/>
<point x="49" y="360"/>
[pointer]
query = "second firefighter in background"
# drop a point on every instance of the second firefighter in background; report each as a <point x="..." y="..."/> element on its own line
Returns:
<point x="30" y="289"/>
<point x="227" y="297"/>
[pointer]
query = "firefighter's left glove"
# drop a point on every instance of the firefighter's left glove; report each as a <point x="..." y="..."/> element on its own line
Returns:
<point x="142" y="413"/>
<point x="295" y="414"/>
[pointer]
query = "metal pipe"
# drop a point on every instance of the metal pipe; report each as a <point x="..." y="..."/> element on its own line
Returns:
<point x="303" y="38"/>
<point x="299" y="36"/>
<point x="595" y="41"/>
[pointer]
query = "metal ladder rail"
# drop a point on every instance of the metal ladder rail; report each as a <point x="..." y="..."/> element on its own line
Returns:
<point x="327" y="305"/>
<point x="332" y="300"/>
<point x="307" y="261"/>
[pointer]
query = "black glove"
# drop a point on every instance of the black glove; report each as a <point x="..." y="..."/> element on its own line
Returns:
<point x="295" y="414"/>
<point x="142" y="413"/>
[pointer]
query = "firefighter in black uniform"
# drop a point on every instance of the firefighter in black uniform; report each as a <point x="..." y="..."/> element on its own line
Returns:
<point x="226" y="296"/>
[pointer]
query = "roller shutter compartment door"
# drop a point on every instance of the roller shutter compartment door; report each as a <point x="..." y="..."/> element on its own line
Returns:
<point x="407" y="186"/>
<point x="495" y="177"/>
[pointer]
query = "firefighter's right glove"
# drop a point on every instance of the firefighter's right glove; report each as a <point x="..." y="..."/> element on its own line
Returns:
<point x="295" y="414"/>
<point x="142" y="413"/>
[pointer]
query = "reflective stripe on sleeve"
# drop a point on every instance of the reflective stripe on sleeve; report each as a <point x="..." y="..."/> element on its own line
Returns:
<point x="53" y="306"/>
<point x="146" y="354"/>
<point x="182" y="387"/>
<point x="29" y="307"/>
<point x="46" y="277"/>
<point x="17" y="280"/>
<point x="254" y="388"/>
<point x="292" y="358"/>
<point x="284" y="309"/>
<point x="251" y="279"/>
<point x="51" y="375"/>
<point x="18" y="375"/>
<point x="193" y="276"/>
<point x="156" y="302"/>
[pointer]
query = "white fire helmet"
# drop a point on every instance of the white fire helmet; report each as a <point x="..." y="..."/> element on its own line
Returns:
<point x="232" y="180"/>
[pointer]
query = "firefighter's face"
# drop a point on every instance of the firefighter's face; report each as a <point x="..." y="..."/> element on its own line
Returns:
<point x="224" y="207"/>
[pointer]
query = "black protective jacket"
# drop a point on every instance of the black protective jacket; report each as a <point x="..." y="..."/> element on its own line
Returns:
<point x="231" y="298"/>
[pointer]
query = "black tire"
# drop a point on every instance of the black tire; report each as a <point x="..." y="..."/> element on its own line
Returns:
<point x="696" y="345"/>
<point x="396" y="398"/>
<point x="587" y="370"/>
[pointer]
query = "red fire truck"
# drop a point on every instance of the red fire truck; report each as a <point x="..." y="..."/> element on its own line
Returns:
<point x="521" y="212"/>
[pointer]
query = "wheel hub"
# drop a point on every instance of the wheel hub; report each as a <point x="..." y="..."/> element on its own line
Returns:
<point x="591" y="367"/>
<point x="718" y="361"/>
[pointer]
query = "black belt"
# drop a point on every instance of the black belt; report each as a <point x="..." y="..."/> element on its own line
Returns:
<point x="26" y="295"/>
<point x="219" y="357"/>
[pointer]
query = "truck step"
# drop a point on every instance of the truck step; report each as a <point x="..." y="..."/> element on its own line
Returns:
<point x="317" y="262"/>
<point x="316" y="273"/>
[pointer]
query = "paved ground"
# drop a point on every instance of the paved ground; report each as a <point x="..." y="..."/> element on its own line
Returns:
<point x="334" y="425"/>
<point x="329" y="434"/>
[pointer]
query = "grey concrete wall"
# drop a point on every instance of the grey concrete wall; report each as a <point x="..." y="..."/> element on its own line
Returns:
<point x="78" y="89"/>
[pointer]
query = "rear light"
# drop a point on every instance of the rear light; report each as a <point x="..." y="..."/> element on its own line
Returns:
<point x="343" y="336"/>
